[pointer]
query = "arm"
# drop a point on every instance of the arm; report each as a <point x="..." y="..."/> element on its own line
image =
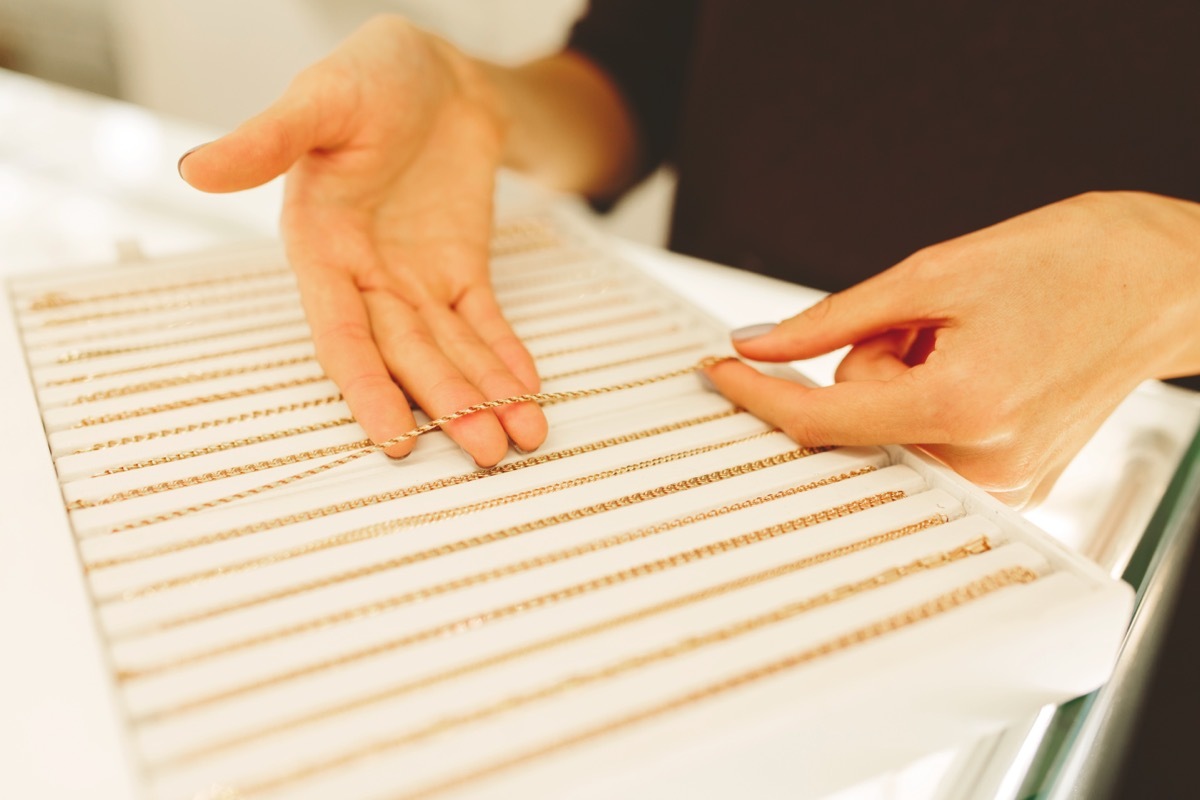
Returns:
<point x="1001" y="352"/>
<point x="390" y="146"/>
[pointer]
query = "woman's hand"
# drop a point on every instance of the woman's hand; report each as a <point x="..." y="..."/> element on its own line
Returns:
<point x="1000" y="352"/>
<point x="391" y="146"/>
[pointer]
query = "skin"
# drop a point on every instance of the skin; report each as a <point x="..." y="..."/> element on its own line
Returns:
<point x="1000" y="352"/>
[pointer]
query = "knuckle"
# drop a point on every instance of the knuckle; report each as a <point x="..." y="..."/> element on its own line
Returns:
<point x="342" y="331"/>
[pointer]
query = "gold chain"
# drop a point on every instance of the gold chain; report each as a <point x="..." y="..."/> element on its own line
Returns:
<point x="191" y="302"/>
<point x="624" y="362"/>
<point x="588" y="326"/>
<point x="221" y="447"/>
<point x="157" y="327"/>
<point x="671" y="651"/>
<point x="541" y="398"/>
<point x="83" y="355"/>
<point x="514" y="531"/>
<point x="91" y="376"/>
<point x="219" y="474"/>
<point x="408" y="491"/>
<point x="501" y="284"/>
<point x="195" y="377"/>
<point x="623" y="576"/>
<point x="956" y="598"/>
<point x="570" y="291"/>
<point x="541" y="645"/>
<point x="469" y="623"/>
<point x="633" y="337"/>
<point x="133" y="413"/>
<point x="605" y="301"/>
<point x="52" y="300"/>
<point x="211" y="423"/>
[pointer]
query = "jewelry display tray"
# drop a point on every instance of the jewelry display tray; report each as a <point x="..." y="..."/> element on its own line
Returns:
<point x="666" y="598"/>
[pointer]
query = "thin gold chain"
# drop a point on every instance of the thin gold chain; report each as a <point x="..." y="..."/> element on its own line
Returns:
<point x="633" y="337"/>
<point x="591" y="288"/>
<point x="175" y="362"/>
<point x="195" y="377"/>
<point x="408" y="491"/>
<point x="624" y="666"/>
<point x="53" y="300"/>
<point x="542" y="645"/>
<point x="600" y="627"/>
<point x="158" y="327"/>
<point x="589" y="326"/>
<point x="624" y="362"/>
<point x="206" y="424"/>
<point x="215" y="475"/>
<point x="604" y="301"/>
<point x="502" y="284"/>
<point x="221" y="447"/>
<point x="191" y="302"/>
<point x="74" y="356"/>
<point x="388" y="527"/>
<point x="514" y="531"/>
<point x="540" y="601"/>
<point x="189" y="402"/>
<point x="541" y="398"/>
<point x="944" y="603"/>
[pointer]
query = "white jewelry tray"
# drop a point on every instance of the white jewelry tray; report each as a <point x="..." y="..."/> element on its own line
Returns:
<point x="801" y="732"/>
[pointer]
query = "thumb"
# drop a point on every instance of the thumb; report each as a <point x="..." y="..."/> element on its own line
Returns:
<point x="261" y="148"/>
<point x="885" y="301"/>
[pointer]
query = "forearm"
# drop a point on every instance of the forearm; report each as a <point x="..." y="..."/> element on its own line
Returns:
<point x="567" y="124"/>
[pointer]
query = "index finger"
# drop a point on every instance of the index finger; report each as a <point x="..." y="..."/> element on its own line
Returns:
<point x="871" y="412"/>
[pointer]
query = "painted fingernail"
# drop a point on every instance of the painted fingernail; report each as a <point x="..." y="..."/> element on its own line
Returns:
<point x="706" y="382"/>
<point x="752" y="331"/>
<point x="179" y="163"/>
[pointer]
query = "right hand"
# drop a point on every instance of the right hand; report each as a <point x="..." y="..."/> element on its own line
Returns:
<point x="391" y="145"/>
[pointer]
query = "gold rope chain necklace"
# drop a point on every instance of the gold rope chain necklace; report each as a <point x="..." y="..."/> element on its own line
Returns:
<point x="194" y="377"/>
<point x="505" y="612"/>
<point x="942" y="604"/>
<point x="538" y="646"/>
<point x="408" y="491"/>
<point x="627" y="665"/>
<point x="191" y="302"/>
<point x="541" y="398"/>
<point x="74" y="356"/>
<point x="540" y="601"/>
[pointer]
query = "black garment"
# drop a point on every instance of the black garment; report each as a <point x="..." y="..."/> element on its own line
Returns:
<point x="822" y="142"/>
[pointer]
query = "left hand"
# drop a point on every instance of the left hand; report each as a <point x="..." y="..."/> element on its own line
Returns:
<point x="1001" y="352"/>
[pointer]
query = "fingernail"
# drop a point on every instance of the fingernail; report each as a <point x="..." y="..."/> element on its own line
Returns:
<point x="706" y="382"/>
<point x="752" y="331"/>
<point x="179" y="163"/>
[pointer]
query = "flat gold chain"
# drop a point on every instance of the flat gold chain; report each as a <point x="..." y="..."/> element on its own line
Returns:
<point x="640" y="336"/>
<point x="468" y="623"/>
<point x="539" y="646"/>
<point x="232" y="444"/>
<point x="624" y="666"/>
<point x="191" y="302"/>
<point x="53" y="300"/>
<point x="514" y="531"/>
<point x="540" y="601"/>
<point x="194" y="377"/>
<point x="942" y="604"/>
<point x="541" y="398"/>
<point x="210" y="423"/>
<point x="408" y="491"/>
<point x="189" y="402"/>
<point x="175" y="362"/>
